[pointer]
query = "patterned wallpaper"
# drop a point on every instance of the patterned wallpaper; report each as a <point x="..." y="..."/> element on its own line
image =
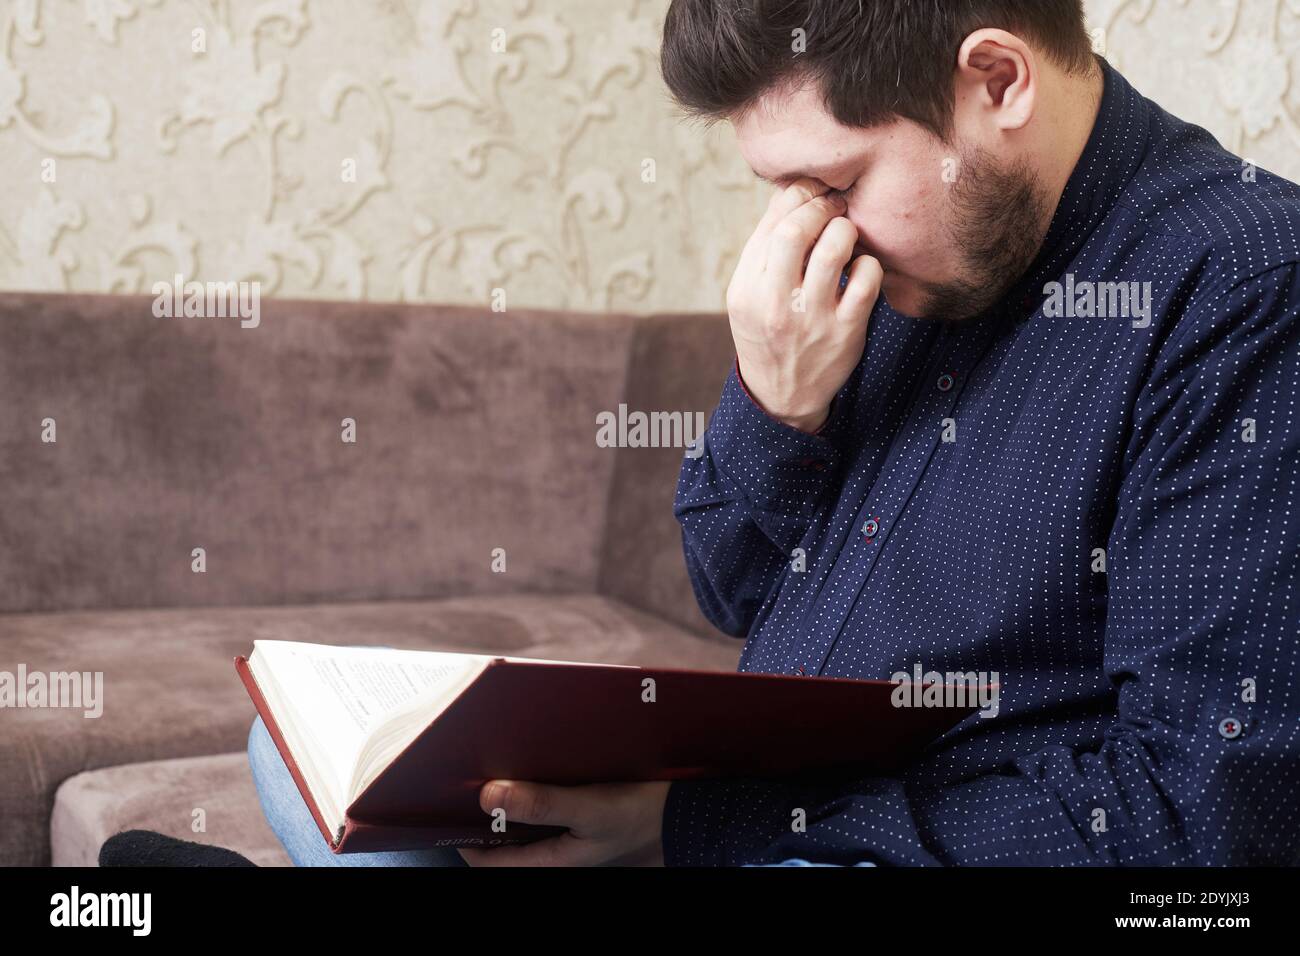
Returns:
<point x="437" y="150"/>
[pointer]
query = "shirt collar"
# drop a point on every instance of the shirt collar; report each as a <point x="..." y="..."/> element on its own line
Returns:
<point x="1114" y="152"/>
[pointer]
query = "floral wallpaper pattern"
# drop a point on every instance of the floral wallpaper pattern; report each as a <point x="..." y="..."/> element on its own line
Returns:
<point x="437" y="150"/>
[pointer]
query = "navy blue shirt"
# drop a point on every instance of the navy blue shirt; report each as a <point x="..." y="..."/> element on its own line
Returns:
<point x="1097" y="502"/>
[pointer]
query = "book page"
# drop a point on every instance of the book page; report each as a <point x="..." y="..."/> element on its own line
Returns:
<point x="340" y="695"/>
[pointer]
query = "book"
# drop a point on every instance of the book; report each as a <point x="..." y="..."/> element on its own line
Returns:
<point x="390" y="748"/>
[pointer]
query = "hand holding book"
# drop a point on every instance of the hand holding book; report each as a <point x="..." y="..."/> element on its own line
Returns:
<point x="608" y="824"/>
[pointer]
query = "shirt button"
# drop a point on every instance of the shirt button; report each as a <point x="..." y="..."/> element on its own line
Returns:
<point x="1230" y="728"/>
<point x="870" y="528"/>
<point x="799" y="670"/>
<point x="945" y="382"/>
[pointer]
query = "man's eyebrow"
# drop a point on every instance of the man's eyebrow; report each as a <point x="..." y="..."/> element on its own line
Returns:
<point x="788" y="178"/>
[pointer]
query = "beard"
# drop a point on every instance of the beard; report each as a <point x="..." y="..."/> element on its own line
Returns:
<point x="998" y="222"/>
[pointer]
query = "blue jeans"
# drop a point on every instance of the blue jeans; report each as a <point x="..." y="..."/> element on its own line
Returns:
<point x="297" y="832"/>
<point x="294" y="826"/>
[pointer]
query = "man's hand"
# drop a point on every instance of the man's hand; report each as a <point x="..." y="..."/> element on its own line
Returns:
<point x="618" y="824"/>
<point x="792" y="362"/>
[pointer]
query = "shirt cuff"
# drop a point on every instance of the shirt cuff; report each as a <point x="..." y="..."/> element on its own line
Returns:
<point x="777" y="466"/>
<point x="740" y="379"/>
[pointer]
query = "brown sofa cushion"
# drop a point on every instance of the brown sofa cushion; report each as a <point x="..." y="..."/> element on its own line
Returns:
<point x="163" y="795"/>
<point x="170" y="689"/>
<point x="475" y="431"/>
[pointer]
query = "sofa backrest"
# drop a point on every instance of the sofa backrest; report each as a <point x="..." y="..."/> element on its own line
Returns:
<point x="677" y="363"/>
<point x="474" y="431"/>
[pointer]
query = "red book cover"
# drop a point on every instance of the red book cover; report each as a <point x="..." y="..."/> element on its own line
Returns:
<point x="572" y="724"/>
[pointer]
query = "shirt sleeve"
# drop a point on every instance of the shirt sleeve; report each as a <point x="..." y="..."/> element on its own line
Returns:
<point x="745" y="500"/>
<point x="1201" y="763"/>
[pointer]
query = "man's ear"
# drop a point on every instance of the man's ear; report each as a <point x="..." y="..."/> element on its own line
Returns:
<point x="997" y="78"/>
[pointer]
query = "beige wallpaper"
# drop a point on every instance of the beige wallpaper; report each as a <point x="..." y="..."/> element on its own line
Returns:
<point x="438" y="150"/>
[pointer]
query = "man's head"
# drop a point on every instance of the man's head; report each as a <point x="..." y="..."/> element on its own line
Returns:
<point x="951" y="125"/>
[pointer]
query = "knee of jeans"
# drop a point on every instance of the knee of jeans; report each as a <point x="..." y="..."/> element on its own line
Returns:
<point x="261" y="747"/>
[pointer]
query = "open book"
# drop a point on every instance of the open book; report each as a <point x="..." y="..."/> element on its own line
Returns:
<point x="390" y="748"/>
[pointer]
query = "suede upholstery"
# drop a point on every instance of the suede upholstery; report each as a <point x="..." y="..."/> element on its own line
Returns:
<point x="474" y="431"/>
<point x="163" y="795"/>
<point x="678" y="362"/>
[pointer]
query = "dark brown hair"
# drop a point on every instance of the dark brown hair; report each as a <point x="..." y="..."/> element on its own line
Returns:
<point x="872" y="60"/>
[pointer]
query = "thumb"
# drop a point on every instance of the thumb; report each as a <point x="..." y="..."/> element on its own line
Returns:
<point x="537" y="803"/>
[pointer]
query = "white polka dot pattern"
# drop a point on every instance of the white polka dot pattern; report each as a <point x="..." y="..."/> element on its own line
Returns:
<point x="1150" y="707"/>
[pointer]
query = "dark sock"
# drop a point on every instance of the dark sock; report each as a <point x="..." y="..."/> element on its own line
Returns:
<point x="147" y="848"/>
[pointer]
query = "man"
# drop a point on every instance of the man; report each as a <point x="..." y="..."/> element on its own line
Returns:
<point x="1015" y="394"/>
<point x="1063" y="448"/>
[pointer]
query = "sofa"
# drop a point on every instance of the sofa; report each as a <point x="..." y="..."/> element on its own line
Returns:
<point x="176" y="488"/>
